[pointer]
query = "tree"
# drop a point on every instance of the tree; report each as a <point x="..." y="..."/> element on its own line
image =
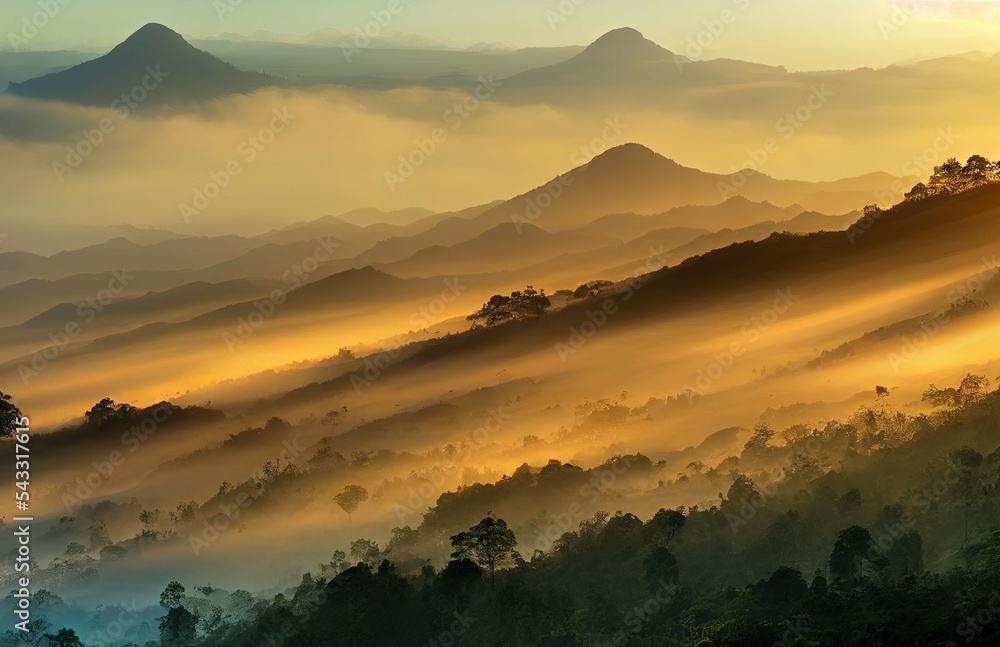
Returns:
<point x="525" y="304"/>
<point x="179" y="626"/>
<point x="946" y="178"/>
<point x="978" y="171"/>
<point x="918" y="192"/>
<point x="366" y="551"/>
<point x="785" y="587"/>
<point x="113" y="553"/>
<point x="350" y="499"/>
<point x="173" y="595"/>
<point x="872" y="212"/>
<point x="972" y="389"/>
<point x="10" y="416"/>
<point x="854" y="548"/>
<point x="65" y="638"/>
<point x="665" y="524"/>
<point x="36" y="632"/>
<point x="490" y="543"/>
<point x="459" y="576"/>
<point x="757" y="445"/>
<point x="106" y="409"/>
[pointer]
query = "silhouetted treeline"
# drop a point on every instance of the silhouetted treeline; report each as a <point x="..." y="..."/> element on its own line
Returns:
<point x="824" y="540"/>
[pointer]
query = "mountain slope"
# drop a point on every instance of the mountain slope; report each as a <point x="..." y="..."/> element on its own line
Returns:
<point x="155" y="66"/>
<point x="625" y="58"/>
<point x="633" y="178"/>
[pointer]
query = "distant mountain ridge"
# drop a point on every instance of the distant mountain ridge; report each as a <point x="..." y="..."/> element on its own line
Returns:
<point x="624" y="57"/>
<point x="153" y="66"/>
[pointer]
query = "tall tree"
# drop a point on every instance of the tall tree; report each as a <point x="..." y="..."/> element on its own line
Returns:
<point x="65" y="638"/>
<point x="350" y="499"/>
<point x="490" y="543"/>
<point x="852" y="551"/>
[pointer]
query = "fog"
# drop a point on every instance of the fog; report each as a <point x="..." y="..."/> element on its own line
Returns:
<point x="338" y="144"/>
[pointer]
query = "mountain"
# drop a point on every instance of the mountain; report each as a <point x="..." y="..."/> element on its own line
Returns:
<point x="624" y="57"/>
<point x="620" y="57"/>
<point x="506" y="247"/>
<point x="155" y="66"/>
<point x="734" y="213"/>
<point x="853" y="280"/>
<point x="634" y="179"/>
<point x="369" y="216"/>
<point x="173" y="305"/>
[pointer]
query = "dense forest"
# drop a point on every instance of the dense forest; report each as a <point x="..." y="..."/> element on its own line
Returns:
<point x="881" y="530"/>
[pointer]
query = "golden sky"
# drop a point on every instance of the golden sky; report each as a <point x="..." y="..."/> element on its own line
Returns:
<point x="800" y="34"/>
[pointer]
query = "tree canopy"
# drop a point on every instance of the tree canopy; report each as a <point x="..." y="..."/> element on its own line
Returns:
<point x="490" y="543"/>
<point x="351" y="498"/>
<point x="954" y="177"/>
<point x="523" y="304"/>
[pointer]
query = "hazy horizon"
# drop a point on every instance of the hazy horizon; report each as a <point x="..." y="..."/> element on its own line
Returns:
<point x="674" y="334"/>
<point x="848" y="35"/>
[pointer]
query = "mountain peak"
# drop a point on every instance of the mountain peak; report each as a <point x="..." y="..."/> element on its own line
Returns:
<point x="630" y="153"/>
<point x="625" y="43"/>
<point x="194" y="75"/>
<point x="619" y="36"/>
<point x="153" y="37"/>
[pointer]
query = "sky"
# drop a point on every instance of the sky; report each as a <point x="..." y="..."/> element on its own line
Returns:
<point x="800" y="34"/>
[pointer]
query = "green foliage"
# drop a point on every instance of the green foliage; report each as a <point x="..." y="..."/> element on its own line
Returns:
<point x="64" y="638"/>
<point x="899" y="541"/>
